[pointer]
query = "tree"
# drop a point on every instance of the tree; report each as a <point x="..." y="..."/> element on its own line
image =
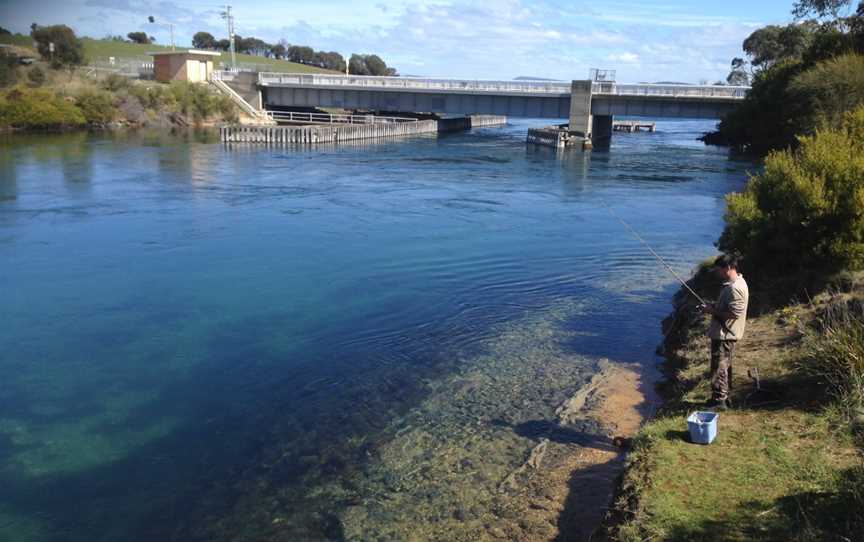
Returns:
<point x="819" y="8"/>
<point x="278" y="51"/>
<point x="357" y="65"/>
<point x="4" y="31"/>
<point x="376" y="65"/>
<point x="138" y="37"/>
<point x="223" y="45"/>
<point x="301" y="54"/>
<point x="771" y="44"/>
<point x="369" y="65"/>
<point x="738" y="76"/>
<point x="203" y="40"/>
<point x="68" y="49"/>
<point x="331" y="61"/>
<point x="255" y="46"/>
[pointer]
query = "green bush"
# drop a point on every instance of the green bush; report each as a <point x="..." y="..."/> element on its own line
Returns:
<point x="36" y="76"/>
<point x="153" y="97"/>
<point x="97" y="106"/>
<point x="768" y="117"/>
<point x="803" y="217"/>
<point x="114" y="82"/>
<point x="37" y="108"/>
<point x="8" y="69"/>
<point x="835" y="354"/>
<point x="199" y="101"/>
<point x="830" y="89"/>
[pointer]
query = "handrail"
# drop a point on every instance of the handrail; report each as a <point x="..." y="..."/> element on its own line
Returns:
<point x="216" y="81"/>
<point x="331" y="118"/>
<point x="481" y="86"/>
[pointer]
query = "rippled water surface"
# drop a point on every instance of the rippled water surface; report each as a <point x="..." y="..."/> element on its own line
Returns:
<point x="211" y="343"/>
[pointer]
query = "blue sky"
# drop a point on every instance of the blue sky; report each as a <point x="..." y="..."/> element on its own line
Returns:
<point x="648" y="40"/>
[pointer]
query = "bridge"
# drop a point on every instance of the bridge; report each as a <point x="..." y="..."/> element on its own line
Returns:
<point x="589" y="105"/>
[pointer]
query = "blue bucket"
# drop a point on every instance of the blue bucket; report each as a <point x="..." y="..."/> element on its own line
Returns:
<point x="703" y="427"/>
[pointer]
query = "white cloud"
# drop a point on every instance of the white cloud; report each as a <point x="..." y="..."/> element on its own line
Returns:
<point x="644" y="40"/>
<point x="627" y="58"/>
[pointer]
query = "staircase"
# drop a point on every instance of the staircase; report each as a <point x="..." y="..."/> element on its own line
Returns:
<point x="217" y="79"/>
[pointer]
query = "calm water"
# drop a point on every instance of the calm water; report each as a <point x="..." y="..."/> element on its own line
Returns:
<point x="213" y="343"/>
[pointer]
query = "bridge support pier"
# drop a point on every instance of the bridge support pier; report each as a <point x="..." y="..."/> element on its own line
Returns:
<point x="601" y="130"/>
<point x="580" y="109"/>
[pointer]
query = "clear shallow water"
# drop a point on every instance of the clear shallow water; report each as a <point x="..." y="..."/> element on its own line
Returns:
<point x="210" y="343"/>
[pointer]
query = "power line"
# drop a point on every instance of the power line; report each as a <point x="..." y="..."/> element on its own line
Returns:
<point x="229" y="19"/>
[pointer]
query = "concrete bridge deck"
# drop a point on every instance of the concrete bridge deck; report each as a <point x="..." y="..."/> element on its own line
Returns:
<point x="549" y="99"/>
<point x="589" y="105"/>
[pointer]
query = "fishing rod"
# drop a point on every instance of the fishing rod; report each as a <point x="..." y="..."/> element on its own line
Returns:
<point x="653" y="252"/>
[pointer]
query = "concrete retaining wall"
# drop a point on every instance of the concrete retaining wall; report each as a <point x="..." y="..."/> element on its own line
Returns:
<point x="334" y="133"/>
<point x="323" y="133"/>
<point x="552" y="136"/>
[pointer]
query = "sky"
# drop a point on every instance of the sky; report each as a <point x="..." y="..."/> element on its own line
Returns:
<point x="644" y="41"/>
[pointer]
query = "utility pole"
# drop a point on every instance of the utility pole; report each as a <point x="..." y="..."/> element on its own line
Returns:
<point x="229" y="19"/>
<point x="170" y="26"/>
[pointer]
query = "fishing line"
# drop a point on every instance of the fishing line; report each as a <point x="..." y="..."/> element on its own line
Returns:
<point x="653" y="252"/>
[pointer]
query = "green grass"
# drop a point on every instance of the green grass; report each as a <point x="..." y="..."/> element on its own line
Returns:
<point x="100" y="50"/>
<point x="783" y="467"/>
<point x="17" y="39"/>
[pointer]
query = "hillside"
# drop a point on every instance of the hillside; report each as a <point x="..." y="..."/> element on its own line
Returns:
<point x="98" y="51"/>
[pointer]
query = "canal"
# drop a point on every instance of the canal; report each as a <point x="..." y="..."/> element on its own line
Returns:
<point x="202" y="342"/>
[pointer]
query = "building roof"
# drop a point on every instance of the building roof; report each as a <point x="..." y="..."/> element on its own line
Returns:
<point x="189" y="52"/>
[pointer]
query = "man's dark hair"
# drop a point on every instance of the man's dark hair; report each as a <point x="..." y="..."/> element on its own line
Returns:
<point x="727" y="260"/>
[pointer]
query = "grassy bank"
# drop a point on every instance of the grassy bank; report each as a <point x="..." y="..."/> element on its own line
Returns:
<point x="99" y="51"/>
<point x="787" y="464"/>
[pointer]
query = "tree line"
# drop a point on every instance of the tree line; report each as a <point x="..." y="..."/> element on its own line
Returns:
<point x="804" y="75"/>
<point x="301" y="54"/>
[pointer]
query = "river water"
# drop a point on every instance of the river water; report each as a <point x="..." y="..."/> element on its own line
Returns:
<point x="357" y="342"/>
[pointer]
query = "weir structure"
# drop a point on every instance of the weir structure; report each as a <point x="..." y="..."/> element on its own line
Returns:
<point x="589" y="105"/>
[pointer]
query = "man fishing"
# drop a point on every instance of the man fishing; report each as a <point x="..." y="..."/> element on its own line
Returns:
<point x="729" y="317"/>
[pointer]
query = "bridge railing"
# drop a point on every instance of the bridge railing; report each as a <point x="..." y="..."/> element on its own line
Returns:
<point x="412" y="83"/>
<point x="492" y="87"/>
<point x="674" y="91"/>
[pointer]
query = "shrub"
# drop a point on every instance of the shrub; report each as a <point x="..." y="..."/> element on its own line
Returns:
<point x="97" y="106"/>
<point x="37" y="108"/>
<point x="835" y="353"/>
<point x="8" y="69"/>
<point x="153" y="97"/>
<point x="830" y="89"/>
<point x="767" y="118"/>
<point x="803" y="217"/>
<point x="36" y="76"/>
<point x="199" y="101"/>
<point x="114" y="82"/>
